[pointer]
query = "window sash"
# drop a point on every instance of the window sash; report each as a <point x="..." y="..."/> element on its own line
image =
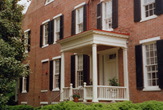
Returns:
<point x="56" y="73"/>
<point x="151" y="64"/>
<point x="56" y="28"/>
<point x="45" y="35"/>
<point x="24" y="83"/>
<point x="107" y="15"/>
<point x="79" y="19"/>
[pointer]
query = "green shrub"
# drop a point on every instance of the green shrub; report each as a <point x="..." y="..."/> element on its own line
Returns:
<point x="18" y="107"/>
<point x="69" y="105"/>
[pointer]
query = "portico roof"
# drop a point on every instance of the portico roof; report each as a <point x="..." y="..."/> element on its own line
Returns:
<point x="94" y="36"/>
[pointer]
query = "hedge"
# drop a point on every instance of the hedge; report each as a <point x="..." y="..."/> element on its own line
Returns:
<point x="69" y="105"/>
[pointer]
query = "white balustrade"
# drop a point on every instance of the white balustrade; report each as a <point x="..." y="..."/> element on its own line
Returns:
<point x="112" y="93"/>
<point x="104" y="93"/>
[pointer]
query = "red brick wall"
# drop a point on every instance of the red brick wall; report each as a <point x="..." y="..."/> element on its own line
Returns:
<point x="38" y="12"/>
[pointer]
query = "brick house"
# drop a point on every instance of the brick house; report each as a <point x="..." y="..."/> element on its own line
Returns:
<point x="84" y="45"/>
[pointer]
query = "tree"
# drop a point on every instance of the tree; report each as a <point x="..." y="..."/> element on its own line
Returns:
<point x="11" y="48"/>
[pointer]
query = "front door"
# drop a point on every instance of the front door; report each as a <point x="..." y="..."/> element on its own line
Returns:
<point x="110" y="67"/>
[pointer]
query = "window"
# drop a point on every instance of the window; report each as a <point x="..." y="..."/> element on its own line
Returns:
<point x="56" y="74"/>
<point x="24" y="83"/>
<point x="45" y="34"/>
<point x="79" y="20"/>
<point x="27" y="40"/>
<point x="107" y="15"/>
<point x="79" y="66"/>
<point x="148" y="8"/>
<point x="150" y="65"/>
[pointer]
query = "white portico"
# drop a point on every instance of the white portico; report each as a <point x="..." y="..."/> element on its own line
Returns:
<point x="102" y="47"/>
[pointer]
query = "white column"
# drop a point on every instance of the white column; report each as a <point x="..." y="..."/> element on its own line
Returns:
<point x="62" y="83"/>
<point x="94" y="70"/>
<point x="125" y="70"/>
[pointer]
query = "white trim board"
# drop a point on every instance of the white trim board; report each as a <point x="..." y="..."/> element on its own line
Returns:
<point x="79" y="5"/>
<point x="45" y="60"/>
<point x="149" y="40"/>
<point x="57" y="16"/>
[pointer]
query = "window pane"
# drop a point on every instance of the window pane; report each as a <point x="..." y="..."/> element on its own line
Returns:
<point x="151" y="64"/>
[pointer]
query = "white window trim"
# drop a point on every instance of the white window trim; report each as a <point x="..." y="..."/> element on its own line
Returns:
<point x="54" y="102"/>
<point x="103" y="13"/>
<point x="149" y="40"/>
<point x="80" y="5"/>
<point x="44" y="90"/>
<point x="55" y="58"/>
<point x="57" y="16"/>
<point x="45" y="46"/>
<point x="45" y="60"/>
<point x="143" y="18"/>
<point x="43" y="103"/>
<point x="27" y="30"/>
<point x="24" y="103"/>
<point x="26" y="51"/>
<point x="46" y="21"/>
<point x="48" y="2"/>
<point x="55" y="89"/>
<point x="144" y="42"/>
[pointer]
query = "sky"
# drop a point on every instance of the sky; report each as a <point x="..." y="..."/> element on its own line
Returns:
<point x="25" y="4"/>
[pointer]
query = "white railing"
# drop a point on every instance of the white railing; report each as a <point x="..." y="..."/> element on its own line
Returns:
<point x="66" y="93"/>
<point x="112" y="93"/>
<point x="104" y="93"/>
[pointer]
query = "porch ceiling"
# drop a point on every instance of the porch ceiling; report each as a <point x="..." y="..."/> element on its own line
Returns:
<point x="82" y="42"/>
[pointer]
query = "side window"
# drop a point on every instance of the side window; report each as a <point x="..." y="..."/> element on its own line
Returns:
<point x="79" y="19"/>
<point x="107" y="15"/>
<point x="55" y="69"/>
<point x="45" y="34"/>
<point x="58" y="27"/>
<point x="26" y="39"/>
<point x="147" y="8"/>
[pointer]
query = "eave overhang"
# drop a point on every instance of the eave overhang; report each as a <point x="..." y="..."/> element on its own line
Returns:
<point x="99" y="37"/>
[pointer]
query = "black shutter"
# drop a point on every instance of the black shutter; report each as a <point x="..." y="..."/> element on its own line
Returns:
<point x="61" y="26"/>
<point x="84" y="17"/>
<point x="139" y="67"/>
<point x="41" y="35"/>
<point x="115" y="14"/>
<point x="27" y="83"/>
<point x="50" y="32"/>
<point x="159" y="7"/>
<point x="137" y="10"/>
<point x="20" y="84"/>
<point x="73" y="23"/>
<point x="73" y="70"/>
<point x="51" y="76"/>
<point x="99" y="16"/>
<point x="59" y="81"/>
<point x="160" y="62"/>
<point x="86" y="70"/>
<point x="29" y="40"/>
